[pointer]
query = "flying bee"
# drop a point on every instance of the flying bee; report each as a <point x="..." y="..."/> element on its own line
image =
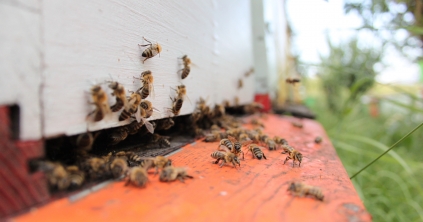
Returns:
<point x="147" y="80"/>
<point x="163" y="141"/>
<point x="219" y="110"/>
<point x="99" y="99"/>
<point x="240" y="83"/>
<point x="177" y="105"/>
<point x="119" y="167"/>
<point x="57" y="176"/>
<point x="226" y="157"/>
<point x="118" y="135"/>
<point x="256" y="151"/>
<point x="133" y="103"/>
<point x="280" y="140"/>
<point x="249" y="72"/>
<point x="186" y="70"/>
<point x="292" y="80"/>
<point x="318" y="139"/>
<point x="76" y="177"/>
<point x="84" y="142"/>
<point x="151" y="51"/>
<point x="171" y="173"/>
<point x="300" y="189"/>
<point x="137" y="176"/>
<point x="120" y="93"/>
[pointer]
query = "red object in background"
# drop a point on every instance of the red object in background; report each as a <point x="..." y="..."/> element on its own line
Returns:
<point x="19" y="189"/>
<point x="263" y="99"/>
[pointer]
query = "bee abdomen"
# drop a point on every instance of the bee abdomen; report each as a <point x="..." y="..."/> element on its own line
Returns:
<point x="147" y="53"/>
<point x="164" y="142"/>
<point x="145" y="92"/>
<point x="217" y="155"/>
<point x="118" y="105"/>
<point x="124" y="115"/>
<point x="98" y="115"/>
<point x="258" y="153"/>
<point x="227" y="143"/>
<point x="185" y="72"/>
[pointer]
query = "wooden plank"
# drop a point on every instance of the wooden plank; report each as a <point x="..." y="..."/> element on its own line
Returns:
<point x="20" y="62"/>
<point x="257" y="191"/>
<point x="87" y="41"/>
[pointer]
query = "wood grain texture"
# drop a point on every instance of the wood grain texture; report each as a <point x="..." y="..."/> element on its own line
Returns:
<point x="89" y="41"/>
<point x="20" y="62"/>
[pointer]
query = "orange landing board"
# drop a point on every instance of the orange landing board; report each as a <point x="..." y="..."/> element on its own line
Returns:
<point x="254" y="192"/>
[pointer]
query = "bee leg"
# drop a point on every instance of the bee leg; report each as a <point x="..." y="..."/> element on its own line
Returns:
<point x="223" y="162"/>
<point x="287" y="158"/>
<point x="181" y="179"/>
<point x="264" y="156"/>
<point x="242" y="155"/>
<point x="293" y="163"/>
<point x="233" y="163"/>
<point x="217" y="161"/>
<point x="146" y="40"/>
<point x="189" y="176"/>
<point x="144" y="60"/>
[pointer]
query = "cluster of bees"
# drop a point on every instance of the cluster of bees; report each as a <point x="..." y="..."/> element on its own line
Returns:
<point x="229" y="132"/>
<point x="209" y="122"/>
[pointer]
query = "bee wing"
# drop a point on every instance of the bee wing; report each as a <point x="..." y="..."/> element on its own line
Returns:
<point x="137" y="115"/>
<point x="149" y="126"/>
<point x="151" y="90"/>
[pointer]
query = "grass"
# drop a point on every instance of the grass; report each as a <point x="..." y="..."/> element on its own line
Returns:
<point x="391" y="188"/>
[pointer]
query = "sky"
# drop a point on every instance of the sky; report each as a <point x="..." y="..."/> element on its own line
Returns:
<point x="311" y="20"/>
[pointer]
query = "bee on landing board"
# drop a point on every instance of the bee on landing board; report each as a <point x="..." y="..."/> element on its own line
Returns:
<point x="57" y="176"/>
<point x="147" y="80"/>
<point x="119" y="167"/>
<point x="76" y="177"/>
<point x="151" y="51"/>
<point x="133" y="103"/>
<point x="100" y="100"/>
<point x="226" y="157"/>
<point x="301" y="190"/>
<point x="171" y="173"/>
<point x="96" y="168"/>
<point x="256" y="151"/>
<point x="236" y="147"/>
<point x="137" y="176"/>
<point x="280" y="141"/>
<point x="292" y="154"/>
<point x="225" y="145"/>
<point x="158" y="162"/>
<point x="163" y="141"/>
<point x="186" y="70"/>
<point x="120" y="93"/>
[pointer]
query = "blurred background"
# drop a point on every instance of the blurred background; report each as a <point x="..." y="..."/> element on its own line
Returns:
<point x="361" y="73"/>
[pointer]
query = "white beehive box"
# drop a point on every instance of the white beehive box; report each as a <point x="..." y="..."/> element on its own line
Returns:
<point x="54" y="50"/>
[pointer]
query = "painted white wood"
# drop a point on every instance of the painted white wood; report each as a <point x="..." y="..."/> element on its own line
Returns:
<point x="269" y="41"/>
<point x="86" y="41"/>
<point x="20" y="62"/>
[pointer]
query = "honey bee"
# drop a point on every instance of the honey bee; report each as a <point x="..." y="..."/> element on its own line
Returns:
<point x="292" y="154"/>
<point x="215" y="127"/>
<point x="159" y="162"/>
<point x="226" y="157"/>
<point x="196" y="116"/>
<point x="177" y="105"/>
<point x="171" y="173"/>
<point x="226" y="103"/>
<point x="131" y="157"/>
<point x="270" y="144"/>
<point x="256" y="122"/>
<point x="240" y="83"/>
<point x="297" y="124"/>
<point x="120" y="93"/>
<point x="57" y="176"/>
<point x="253" y="108"/>
<point x="225" y="145"/>
<point x="151" y="51"/>
<point x="146" y="109"/>
<point x="236" y="147"/>
<point x="85" y="141"/>
<point x="76" y="177"/>
<point x="186" y="70"/>
<point x="96" y="168"/>
<point x="119" y="167"/>
<point x="147" y="84"/>
<point x="99" y="98"/>
<point x="244" y="139"/>
<point x="134" y="127"/>
<point x="249" y="72"/>
<point x="118" y="135"/>
<point x="219" y="110"/>
<point x="166" y="124"/>
<point x="318" y="139"/>
<point x="163" y="141"/>
<point x="198" y="132"/>
<point x="149" y="128"/>
<point x="280" y="140"/>
<point x="213" y="137"/>
<point x="133" y="103"/>
<point x="256" y="151"/>
<point x="137" y="176"/>
<point x="292" y="80"/>
<point x="300" y="189"/>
